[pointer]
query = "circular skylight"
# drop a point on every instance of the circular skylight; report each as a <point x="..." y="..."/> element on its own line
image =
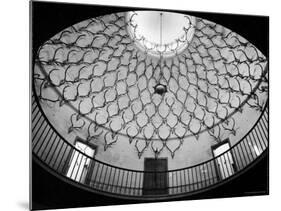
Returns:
<point x="161" y="34"/>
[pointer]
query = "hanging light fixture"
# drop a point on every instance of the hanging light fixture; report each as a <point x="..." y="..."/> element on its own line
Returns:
<point x="160" y="88"/>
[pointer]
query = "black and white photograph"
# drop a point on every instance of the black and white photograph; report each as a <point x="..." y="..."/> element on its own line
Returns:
<point x="140" y="105"/>
<point x="135" y="105"/>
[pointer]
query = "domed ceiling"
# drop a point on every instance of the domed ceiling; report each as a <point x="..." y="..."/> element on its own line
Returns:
<point x="109" y="79"/>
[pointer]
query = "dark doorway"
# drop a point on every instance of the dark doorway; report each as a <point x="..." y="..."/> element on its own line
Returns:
<point x="155" y="180"/>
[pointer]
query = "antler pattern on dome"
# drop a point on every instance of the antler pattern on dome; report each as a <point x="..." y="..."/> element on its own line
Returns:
<point x="95" y="68"/>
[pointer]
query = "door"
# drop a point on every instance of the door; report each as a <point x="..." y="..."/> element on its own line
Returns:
<point x="225" y="162"/>
<point x="79" y="164"/>
<point x="155" y="176"/>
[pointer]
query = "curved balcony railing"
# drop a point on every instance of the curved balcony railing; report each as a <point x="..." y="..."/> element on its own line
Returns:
<point x="53" y="152"/>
